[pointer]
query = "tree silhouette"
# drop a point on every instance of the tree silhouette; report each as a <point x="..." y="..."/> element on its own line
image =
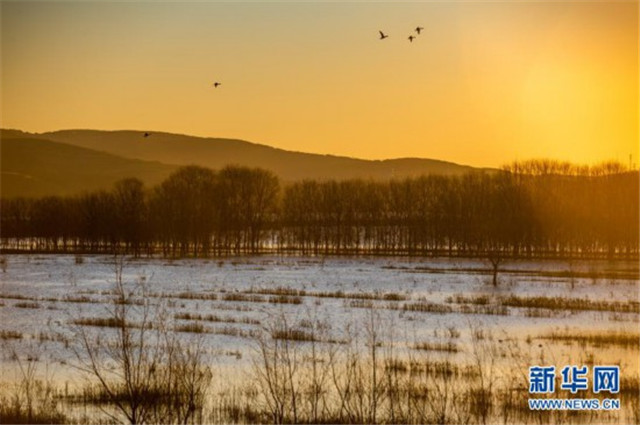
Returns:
<point x="537" y="208"/>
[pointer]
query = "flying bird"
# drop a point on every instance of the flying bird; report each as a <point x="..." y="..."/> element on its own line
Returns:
<point x="382" y="35"/>
<point x="216" y="84"/>
<point x="147" y="134"/>
<point x="418" y="29"/>
<point x="411" y="38"/>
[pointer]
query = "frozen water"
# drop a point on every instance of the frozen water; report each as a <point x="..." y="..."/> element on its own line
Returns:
<point x="52" y="280"/>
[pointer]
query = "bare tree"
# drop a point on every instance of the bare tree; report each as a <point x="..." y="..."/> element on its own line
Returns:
<point x="143" y="369"/>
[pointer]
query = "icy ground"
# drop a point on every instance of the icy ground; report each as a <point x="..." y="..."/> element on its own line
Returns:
<point x="53" y="282"/>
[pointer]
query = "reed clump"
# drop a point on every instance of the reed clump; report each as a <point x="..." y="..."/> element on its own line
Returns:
<point x="32" y="305"/>
<point x="596" y="339"/>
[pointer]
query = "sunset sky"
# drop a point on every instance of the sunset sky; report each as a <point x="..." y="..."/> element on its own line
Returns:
<point x="486" y="83"/>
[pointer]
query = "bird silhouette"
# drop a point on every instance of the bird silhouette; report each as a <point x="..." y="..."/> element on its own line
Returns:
<point x="411" y="38"/>
<point x="418" y="29"/>
<point x="382" y="35"/>
<point x="147" y="134"/>
<point x="216" y="84"/>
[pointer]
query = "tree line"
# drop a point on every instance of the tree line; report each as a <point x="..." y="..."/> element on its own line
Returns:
<point x="534" y="208"/>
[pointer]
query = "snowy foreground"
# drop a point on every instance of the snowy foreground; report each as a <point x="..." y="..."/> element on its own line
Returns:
<point x="234" y="298"/>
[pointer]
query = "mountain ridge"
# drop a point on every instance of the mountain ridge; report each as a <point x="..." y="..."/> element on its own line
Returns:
<point x="160" y="153"/>
<point x="32" y="167"/>
<point x="52" y="136"/>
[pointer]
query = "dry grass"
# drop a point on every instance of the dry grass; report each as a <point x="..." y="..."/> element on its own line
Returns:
<point x="16" y="413"/>
<point x="498" y="310"/>
<point x="430" y="307"/>
<point x="550" y="303"/>
<point x="33" y="305"/>
<point x="316" y="384"/>
<point x="427" y="307"/>
<point x="361" y="304"/>
<point x="56" y="337"/>
<point x="562" y="303"/>
<point x="621" y="317"/>
<point x="284" y="291"/>
<point x="597" y="339"/>
<point x="192" y="327"/>
<point x="293" y="335"/>
<point x="82" y="299"/>
<point x="243" y="298"/>
<point x="438" y="368"/>
<point x="4" y="335"/>
<point x="31" y="400"/>
<point x="285" y="299"/>
<point x="107" y="322"/>
<point x="448" y="347"/>
<point x="235" y="332"/>
<point x="216" y="318"/>
<point x="542" y="312"/>
<point x="102" y="322"/>
<point x="280" y="290"/>
<point x="476" y="300"/>
<point x="18" y="297"/>
<point x="191" y="296"/>
<point x="231" y="307"/>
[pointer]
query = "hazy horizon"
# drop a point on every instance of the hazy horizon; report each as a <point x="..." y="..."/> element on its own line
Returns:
<point x="254" y="142"/>
<point x="623" y="161"/>
<point x="483" y="85"/>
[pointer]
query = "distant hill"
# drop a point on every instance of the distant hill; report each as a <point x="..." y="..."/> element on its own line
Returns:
<point x="216" y="153"/>
<point x="71" y="161"/>
<point x="33" y="168"/>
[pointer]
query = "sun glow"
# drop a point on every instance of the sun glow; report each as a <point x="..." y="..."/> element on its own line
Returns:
<point x="483" y="84"/>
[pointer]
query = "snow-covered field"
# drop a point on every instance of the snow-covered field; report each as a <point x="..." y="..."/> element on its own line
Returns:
<point x="41" y="295"/>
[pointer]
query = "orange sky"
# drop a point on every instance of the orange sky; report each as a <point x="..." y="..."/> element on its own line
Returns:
<point x="486" y="83"/>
